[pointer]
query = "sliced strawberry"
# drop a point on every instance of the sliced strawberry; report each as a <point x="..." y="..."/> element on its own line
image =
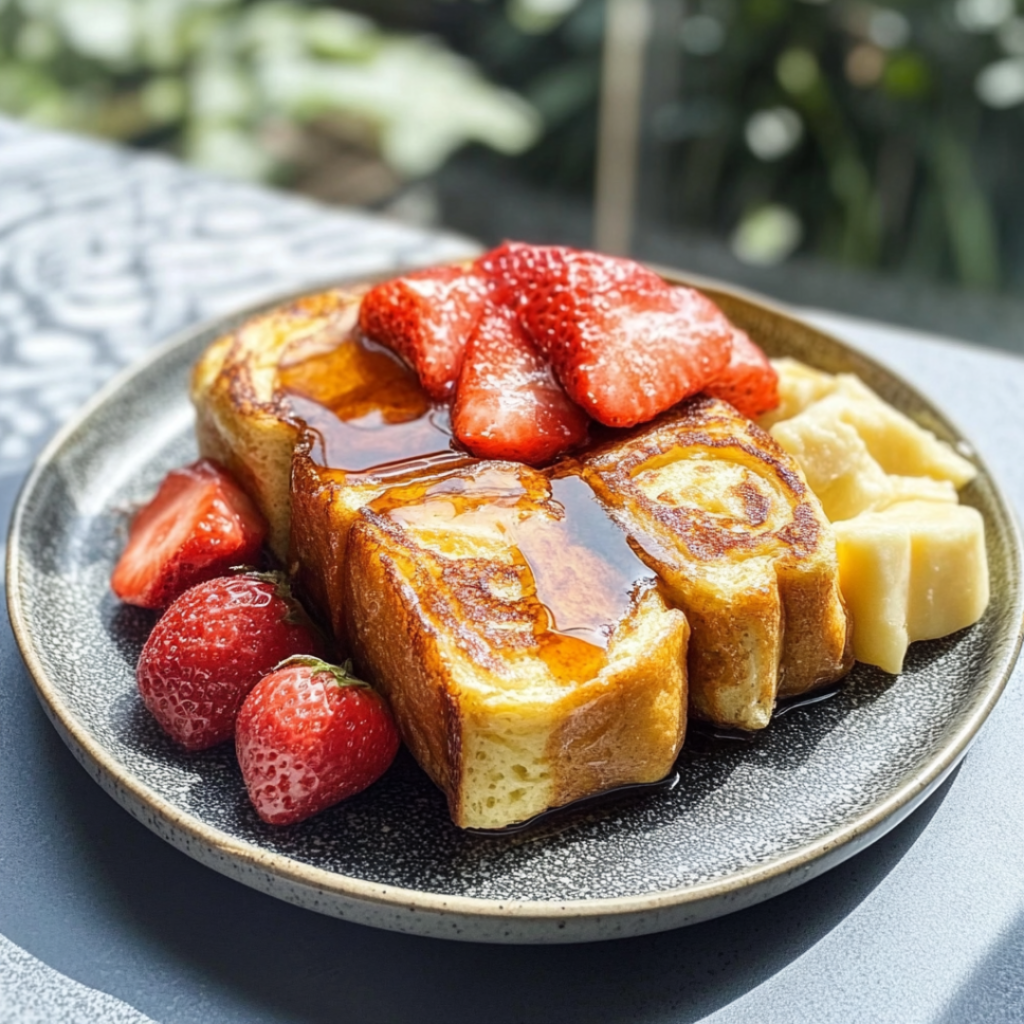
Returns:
<point x="625" y="344"/>
<point x="749" y="382"/>
<point x="311" y="734"/>
<point x="199" y="524"/>
<point x="509" y="404"/>
<point x="427" y="318"/>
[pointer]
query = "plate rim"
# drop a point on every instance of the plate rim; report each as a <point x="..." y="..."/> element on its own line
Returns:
<point x="803" y="863"/>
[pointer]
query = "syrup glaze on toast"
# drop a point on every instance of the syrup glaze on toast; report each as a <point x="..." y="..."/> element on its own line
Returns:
<point x="511" y="689"/>
<point x="574" y="570"/>
<point x="364" y="405"/>
<point x="368" y="420"/>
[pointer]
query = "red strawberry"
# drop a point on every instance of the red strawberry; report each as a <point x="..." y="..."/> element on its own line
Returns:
<point x="625" y="344"/>
<point x="309" y="735"/>
<point x="749" y="382"/>
<point x="212" y="646"/>
<point x="509" y="404"/>
<point x="427" y="318"/>
<point x="199" y="524"/>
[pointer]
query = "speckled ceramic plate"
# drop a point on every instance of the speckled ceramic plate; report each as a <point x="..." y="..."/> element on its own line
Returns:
<point x="747" y="820"/>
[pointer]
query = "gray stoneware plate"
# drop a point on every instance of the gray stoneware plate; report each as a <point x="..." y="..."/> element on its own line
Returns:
<point x="748" y="820"/>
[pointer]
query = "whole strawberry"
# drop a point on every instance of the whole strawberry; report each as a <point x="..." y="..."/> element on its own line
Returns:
<point x="212" y="646"/>
<point x="311" y="734"/>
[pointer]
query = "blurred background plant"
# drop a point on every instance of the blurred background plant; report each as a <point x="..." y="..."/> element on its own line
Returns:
<point x="862" y="155"/>
<point x="276" y="90"/>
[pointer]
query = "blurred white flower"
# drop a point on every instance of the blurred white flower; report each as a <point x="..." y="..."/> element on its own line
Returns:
<point x="227" y="149"/>
<point x="1001" y="84"/>
<point x="773" y="133"/>
<point x="220" y="90"/>
<point x="104" y="29"/>
<point x="888" y="29"/>
<point x="702" y="35"/>
<point x="983" y="15"/>
<point x="423" y="100"/>
<point x="767" y="236"/>
<point x="538" y="16"/>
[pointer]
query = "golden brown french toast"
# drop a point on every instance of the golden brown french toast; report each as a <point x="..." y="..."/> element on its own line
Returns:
<point x="528" y="654"/>
<point x="324" y="504"/>
<point x="741" y="543"/>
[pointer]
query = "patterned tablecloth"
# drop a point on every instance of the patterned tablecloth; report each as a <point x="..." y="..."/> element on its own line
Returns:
<point x="103" y="254"/>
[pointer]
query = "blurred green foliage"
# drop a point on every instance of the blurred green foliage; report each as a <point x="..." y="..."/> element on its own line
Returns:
<point x="862" y="121"/>
<point x="877" y="134"/>
<point x="230" y="84"/>
<point x="885" y="135"/>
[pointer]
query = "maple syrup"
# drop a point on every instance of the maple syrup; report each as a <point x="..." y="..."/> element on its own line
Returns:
<point x="365" y="407"/>
<point x="578" y="567"/>
<point x="370" y="416"/>
<point x="587" y="577"/>
<point x="586" y="572"/>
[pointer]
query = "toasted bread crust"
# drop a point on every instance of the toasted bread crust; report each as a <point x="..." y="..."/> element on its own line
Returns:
<point x="382" y="599"/>
<point x="242" y="418"/>
<point x="745" y="549"/>
<point x="322" y="511"/>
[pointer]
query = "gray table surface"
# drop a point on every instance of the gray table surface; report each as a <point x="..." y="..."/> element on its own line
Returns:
<point x="102" y="254"/>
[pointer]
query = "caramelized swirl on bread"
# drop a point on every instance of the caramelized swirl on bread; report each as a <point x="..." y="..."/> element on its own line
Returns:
<point x="724" y="516"/>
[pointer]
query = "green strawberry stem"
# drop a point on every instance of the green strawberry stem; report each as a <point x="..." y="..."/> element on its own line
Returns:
<point x="272" y="576"/>
<point x="342" y="674"/>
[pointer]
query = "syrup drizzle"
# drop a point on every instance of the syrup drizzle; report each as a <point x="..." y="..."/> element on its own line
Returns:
<point x="369" y="416"/>
<point x="581" y="570"/>
<point x="585" y="571"/>
<point x="366" y="407"/>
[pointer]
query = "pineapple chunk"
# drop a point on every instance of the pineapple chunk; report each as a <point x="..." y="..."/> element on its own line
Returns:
<point x="916" y="570"/>
<point x="836" y="462"/>
<point x="895" y="441"/>
<point x="921" y="488"/>
<point x="800" y="385"/>
<point x="860" y="454"/>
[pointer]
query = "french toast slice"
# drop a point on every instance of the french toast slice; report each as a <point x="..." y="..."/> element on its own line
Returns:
<point x="528" y="654"/>
<point x="244" y="420"/>
<point x="742" y="546"/>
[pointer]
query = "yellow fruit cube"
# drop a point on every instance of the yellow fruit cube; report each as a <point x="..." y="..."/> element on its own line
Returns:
<point x="916" y="570"/>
